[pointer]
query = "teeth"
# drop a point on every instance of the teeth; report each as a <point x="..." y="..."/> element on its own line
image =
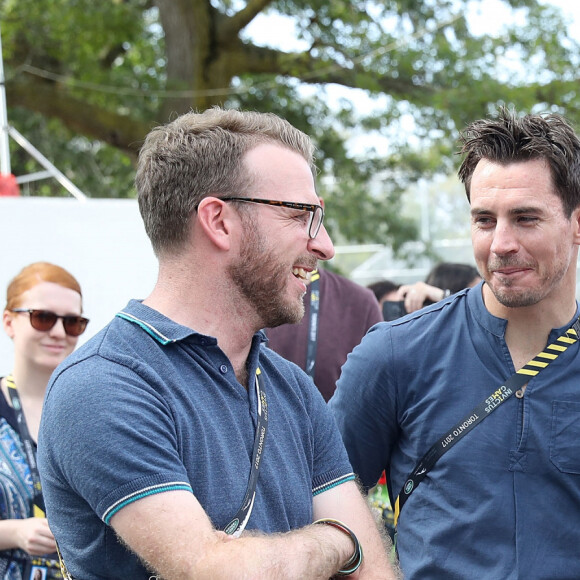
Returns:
<point x="301" y="273"/>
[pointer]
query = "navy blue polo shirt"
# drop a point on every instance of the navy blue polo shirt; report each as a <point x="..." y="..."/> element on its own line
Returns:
<point x="148" y="406"/>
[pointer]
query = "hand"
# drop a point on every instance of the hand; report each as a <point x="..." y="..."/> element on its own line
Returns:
<point x="34" y="536"/>
<point x="415" y="295"/>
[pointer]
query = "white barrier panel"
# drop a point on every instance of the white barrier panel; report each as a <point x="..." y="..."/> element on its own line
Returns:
<point x="102" y="242"/>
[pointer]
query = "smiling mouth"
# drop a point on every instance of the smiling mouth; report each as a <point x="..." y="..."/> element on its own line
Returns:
<point x="302" y="274"/>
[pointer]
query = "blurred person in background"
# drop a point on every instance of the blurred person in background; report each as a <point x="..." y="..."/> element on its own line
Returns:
<point x="43" y="317"/>
<point x="337" y="314"/>
<point x="444" y="279"/>
<point x="453" y="277"/>
<point x="384" y="290"/>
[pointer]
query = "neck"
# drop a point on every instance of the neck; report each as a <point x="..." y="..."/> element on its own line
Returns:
<point x="30" y="382"/>
<point x="528" y="328"/>
<point x="211" y="309"/>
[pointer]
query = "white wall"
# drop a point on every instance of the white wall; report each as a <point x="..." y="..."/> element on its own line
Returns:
<point x="102" y="242"/>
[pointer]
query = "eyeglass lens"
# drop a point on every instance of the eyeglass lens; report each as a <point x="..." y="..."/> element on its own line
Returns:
<point x="44" y="320"/>
<point x="315" y="222"/>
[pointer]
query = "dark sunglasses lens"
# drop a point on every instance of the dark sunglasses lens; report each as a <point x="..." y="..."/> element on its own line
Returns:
<point x="74" y="325"/>
<point x="42" y="320"/>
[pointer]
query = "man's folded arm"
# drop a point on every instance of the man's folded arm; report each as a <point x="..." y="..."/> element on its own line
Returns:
<point x="346" y="503"/>
<point x="173" y="535"/>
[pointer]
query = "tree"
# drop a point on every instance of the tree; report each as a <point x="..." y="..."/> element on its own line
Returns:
<point x="89" y="79"/>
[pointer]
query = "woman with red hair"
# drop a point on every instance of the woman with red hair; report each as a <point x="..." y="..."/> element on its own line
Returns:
<point x="43" y="317"/>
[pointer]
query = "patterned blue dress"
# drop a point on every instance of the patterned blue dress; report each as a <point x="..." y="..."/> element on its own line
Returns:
<point x="15" y="487"/>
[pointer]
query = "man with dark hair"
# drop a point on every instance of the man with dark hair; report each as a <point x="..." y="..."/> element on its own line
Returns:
<point x="174" y="429"/>
<point x="487" y="484"/>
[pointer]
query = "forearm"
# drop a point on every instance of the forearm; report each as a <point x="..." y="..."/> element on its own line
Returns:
<point x="377" y="548"/>
<point x="346" y="503"/>
<point x="315" y="552"/>
<point x="8" y="534"/>
<point x="173" y="536"/>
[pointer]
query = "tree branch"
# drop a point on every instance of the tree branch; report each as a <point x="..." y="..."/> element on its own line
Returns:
<point x="80" y="117"/>
<point x="230" y="27"/>
<point x="313" y="70"/>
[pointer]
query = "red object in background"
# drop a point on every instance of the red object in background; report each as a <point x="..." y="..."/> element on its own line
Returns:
<point x="383" y="479"/>
<point x="8" y="185"/>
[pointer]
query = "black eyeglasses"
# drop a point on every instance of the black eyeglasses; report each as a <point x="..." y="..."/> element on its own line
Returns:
<point x="316" y="211"/>
<point x="44" y="320"/>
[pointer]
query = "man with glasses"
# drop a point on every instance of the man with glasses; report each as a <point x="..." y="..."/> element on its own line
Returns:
<point x="175" y="443"/>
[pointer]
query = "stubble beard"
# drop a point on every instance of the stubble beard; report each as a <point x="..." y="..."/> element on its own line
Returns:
<point x="526" y="296"/>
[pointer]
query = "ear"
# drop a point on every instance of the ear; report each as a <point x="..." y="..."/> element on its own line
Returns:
<point x="575" y="218"/>
<point x="321" y="201"/>
<point x="216" y="220"/>
<point x="7" y="318"/>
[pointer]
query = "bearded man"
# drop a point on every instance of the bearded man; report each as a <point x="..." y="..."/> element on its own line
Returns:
<point x="175" y="443"/>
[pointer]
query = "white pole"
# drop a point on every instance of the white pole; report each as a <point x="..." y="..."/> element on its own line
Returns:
<point x="58" y="175"/>
<point x="4" y="149"/>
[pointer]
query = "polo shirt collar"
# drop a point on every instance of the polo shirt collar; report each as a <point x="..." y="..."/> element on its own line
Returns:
<point x="163" y="329"/>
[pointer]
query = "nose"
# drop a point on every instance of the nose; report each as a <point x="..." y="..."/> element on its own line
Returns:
<point x="504" y="239"/>
<point x="321" y="246"/>
<point x="58" y="329"/>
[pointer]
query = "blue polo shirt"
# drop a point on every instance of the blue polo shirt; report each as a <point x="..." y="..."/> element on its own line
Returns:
<point x="504" y="502"/>
<point x="148" y="406"/>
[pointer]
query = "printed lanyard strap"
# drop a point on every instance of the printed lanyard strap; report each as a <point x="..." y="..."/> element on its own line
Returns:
<point x="483" y="410"/>
<point x="239" y="521"/>
<point x="313" y="323"/>
<point x="37" y="500"/>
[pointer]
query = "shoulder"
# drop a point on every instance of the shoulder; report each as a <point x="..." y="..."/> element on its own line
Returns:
<point x="431" y="321"/>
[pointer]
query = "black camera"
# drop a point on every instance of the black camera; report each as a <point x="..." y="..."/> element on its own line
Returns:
<point x="393" y="309"/>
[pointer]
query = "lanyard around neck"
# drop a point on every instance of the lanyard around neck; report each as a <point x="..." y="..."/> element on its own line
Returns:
<point x="38" y="501"/>
<point x="239" y="521"/>
<point x="313" y="324"/>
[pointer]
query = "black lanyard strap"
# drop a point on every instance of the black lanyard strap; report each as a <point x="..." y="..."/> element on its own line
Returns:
<point x="483" y="410"/>
<point x="37" y="500"/>
<point x="313" y="323"/>
<point x="239" y="521"/>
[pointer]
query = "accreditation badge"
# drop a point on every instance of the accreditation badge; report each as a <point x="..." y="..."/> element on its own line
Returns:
<point x="41" y="568"/>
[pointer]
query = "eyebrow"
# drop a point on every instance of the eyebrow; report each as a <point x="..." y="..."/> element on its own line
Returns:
<point x="513" y="212"/>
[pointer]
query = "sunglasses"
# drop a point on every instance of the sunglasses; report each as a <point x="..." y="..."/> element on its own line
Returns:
<point x="44" y="320"/>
